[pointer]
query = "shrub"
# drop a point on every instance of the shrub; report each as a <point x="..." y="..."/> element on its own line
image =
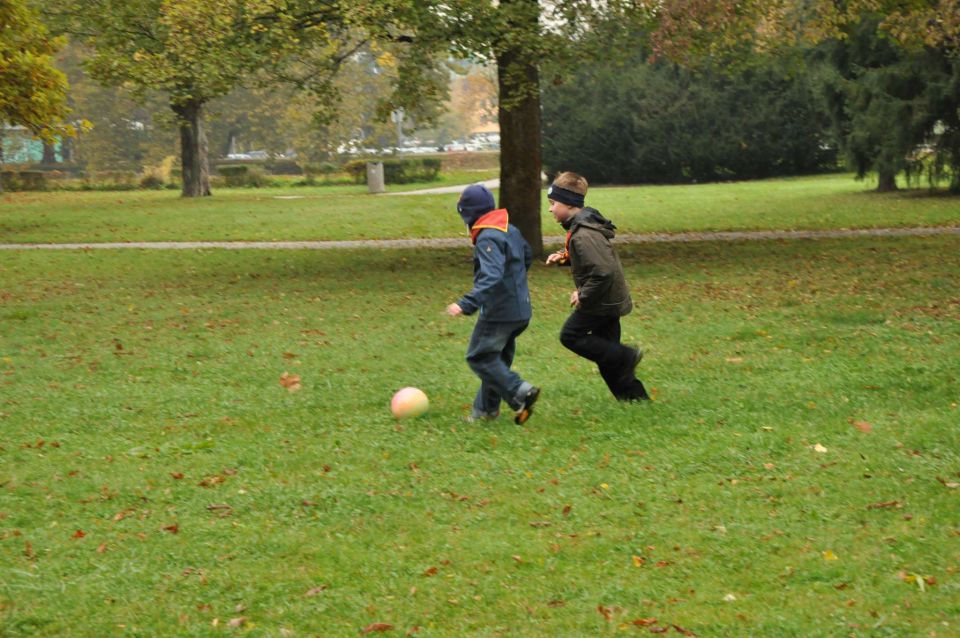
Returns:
<point x="23" y="180"/>
<point x="110" y="181"/>
<point x="397" y="171"/>
<point x="243" y="175"/>
<point x="312" y="171"/>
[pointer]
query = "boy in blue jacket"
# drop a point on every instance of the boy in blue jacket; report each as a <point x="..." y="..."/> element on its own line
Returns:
<point x="501" y="258"/>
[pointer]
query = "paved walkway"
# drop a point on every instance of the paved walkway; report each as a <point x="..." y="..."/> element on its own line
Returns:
<point x="490" y="183"/>
<point x="451" y="242"/>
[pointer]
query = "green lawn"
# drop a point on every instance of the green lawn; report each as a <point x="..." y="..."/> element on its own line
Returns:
<point x="797" y="475"/>
<point x="348" y="212"/>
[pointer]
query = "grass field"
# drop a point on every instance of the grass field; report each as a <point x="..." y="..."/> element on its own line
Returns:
<point x="348" y="212"/>
<point x="797" y="475"/>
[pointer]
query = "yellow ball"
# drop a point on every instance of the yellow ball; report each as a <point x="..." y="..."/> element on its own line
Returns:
<point x="408" y="403"/>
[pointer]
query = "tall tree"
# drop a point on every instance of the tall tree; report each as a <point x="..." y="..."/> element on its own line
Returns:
<point x="32" y="90"/>
<point x="894" y="62"/>
<point x="516" y="36"/>
<point x="197" y="50"/>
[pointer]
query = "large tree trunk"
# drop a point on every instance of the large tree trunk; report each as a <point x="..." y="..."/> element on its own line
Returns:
<point x="518" y="79"/>
<point x="887" y="182"/>
<point x="193" y="150"/>
<point x="66" y="149"/>
<point x="49" y="153"/>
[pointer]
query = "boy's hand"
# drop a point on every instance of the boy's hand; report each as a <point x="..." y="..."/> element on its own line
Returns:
<point x="554" y="258"/>
<point x="454" y="310"/>
<point x="575" y="298"/>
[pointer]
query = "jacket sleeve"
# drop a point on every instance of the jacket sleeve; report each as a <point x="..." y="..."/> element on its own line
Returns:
<point x="491" y="256"/>
<point x="596" y="266"/>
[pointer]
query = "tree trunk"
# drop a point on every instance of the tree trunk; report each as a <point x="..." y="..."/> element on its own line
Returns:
<point x="66" y="149"/>
<point x="518" y="79"/>
<point x="887" y="182"/>
<point x="49" y="153"/>
<point x="193" y="150"/>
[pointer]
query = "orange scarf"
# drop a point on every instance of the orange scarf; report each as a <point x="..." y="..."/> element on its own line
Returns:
<point x="497" y="219"/>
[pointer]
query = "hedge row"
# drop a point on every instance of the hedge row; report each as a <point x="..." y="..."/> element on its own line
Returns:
<point x="397" y="171"/>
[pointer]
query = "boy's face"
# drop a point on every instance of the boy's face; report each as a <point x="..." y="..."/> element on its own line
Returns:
<point x="561" y="212"/>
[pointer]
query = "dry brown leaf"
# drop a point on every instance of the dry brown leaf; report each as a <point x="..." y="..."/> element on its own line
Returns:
<point x="885" y="505"/>
<point x="863" y="426"/>
<point x="315" y="591"/>
<point x="237" y="622"/>
<point x="290" y="381"/>
<point x="378" y="627"/>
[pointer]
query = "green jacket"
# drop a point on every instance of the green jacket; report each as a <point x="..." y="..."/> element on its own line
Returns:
<point x="597" y="271"/>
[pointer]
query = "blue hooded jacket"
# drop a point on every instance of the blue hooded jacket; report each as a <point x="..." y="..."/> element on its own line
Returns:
<point x="501" y="259"/>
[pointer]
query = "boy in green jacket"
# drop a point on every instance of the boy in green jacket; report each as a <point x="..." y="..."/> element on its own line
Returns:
<point x="601" y="296"/>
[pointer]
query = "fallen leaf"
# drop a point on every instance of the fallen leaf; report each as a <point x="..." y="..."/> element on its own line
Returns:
<point x="290" y="381"/>
<point x="210" y="481"/>
<point x="885" y="505"/>
<point x="101" y="548"/>
<point x="643" y="622"/>
<point x="819" y="448"/>
<point x="237" y="622"/>
<point x="829" y="555"/>
<point x="566" y="509"/>
<point x="177" y="475"/>
<point x="79" y="534"/>
<point x="315" y="591"/>
<point x="729" y="598"/>
<point x="863" y="426"/>
<point x="430" y="571"/>
<point x="173" y="529"/>
<point x="377" y="626"/>
<point x="638" y="561"/>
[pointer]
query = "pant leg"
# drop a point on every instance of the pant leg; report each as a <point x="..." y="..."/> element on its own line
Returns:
<point x="597" y="338"/>
<point x="490" y="355"/>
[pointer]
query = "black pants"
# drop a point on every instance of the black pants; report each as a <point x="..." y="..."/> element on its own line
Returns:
<point x="597" y="338"/>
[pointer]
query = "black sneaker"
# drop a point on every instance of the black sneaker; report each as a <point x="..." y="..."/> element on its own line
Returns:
<point x="527" y="408"/>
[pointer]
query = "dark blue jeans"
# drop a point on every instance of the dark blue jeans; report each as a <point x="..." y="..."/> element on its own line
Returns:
<point x="597" y="338"/>
<point x="490" y="355"/>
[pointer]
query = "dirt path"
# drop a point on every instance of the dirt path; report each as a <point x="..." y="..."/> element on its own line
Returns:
<point x="451" y="242"/>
